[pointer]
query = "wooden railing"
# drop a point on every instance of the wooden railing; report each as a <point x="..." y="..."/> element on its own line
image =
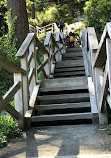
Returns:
<point x="25" y="86"/>
<point x="98" y="66"/>
<point x="43" y="30"/>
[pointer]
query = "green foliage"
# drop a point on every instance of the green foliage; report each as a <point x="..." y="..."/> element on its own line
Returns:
<point x="3" y="9"/>
<point x="97" y="14"/>
<point x="51" y="11"/>
<point x="8" y="128"/>
<point x="8" y="49"/>
<point x="11" y="42"/>
<point x="65" y="13"/>
<point x="45" y="17"/>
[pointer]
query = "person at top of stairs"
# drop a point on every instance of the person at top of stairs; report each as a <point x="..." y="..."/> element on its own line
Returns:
<point x="61" y="25"/>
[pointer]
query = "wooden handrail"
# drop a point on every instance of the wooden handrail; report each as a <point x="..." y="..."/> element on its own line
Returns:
<point x="10" y="66"/>
<point x="41" y="46"/>
<point x="24" y="47"/>
<point x="7" y="97"/>
<point x="26" y="75"/>
<point x="42" y="65"/>
<point x="98" y="58"/>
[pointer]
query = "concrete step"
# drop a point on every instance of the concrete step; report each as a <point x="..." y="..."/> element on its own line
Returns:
<point x="63" y="98"/>
<point x="70" y="69"/>
<point x="63" y="117"/>
<point x="68" y="63"/>
<point x="64" y="82"/>
<point x="80" y="105"/>
<point x="68" y="74"/>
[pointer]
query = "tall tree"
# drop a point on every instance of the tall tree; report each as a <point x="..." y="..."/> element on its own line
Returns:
<point x="18" y="9"/>
<point x="33" y="9"/>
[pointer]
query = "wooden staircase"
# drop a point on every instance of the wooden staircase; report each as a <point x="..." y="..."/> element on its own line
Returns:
<point x="65" y="98"/>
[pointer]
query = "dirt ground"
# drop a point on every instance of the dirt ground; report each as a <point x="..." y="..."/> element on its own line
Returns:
<point x="60" y="141"/>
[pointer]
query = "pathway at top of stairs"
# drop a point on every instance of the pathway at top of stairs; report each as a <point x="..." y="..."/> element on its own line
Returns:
<point x="65" y="98"/>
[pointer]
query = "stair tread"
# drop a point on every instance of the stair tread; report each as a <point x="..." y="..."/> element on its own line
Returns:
<point x="63" y="106"/>
<point x="70" y="73"/>
<point x="69" y="69"/>
<point x="63" y="88"/>
<point x="74" y="49"/>
<point x="62" y="96"/>
<point x="68" y="63"/>
<point x="70" y="55"/>
<point x="63" y="82"/>
<point x="55" y="117"/>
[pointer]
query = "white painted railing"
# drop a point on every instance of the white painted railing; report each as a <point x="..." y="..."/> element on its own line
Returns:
<point x="43" y="30"/>
<point x="25" y="86"/>
<point x="98" y="59"/>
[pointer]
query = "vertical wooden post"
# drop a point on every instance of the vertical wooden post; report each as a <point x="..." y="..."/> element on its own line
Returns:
<point x="108" y="50"/>
<point x="98" y="86"/>
<point x="48" y="66"/>
<point x="25" y="86"/>
<point x="53" y="28"/>
<point x="33" y="66"/>
<point x="19" y="99"/>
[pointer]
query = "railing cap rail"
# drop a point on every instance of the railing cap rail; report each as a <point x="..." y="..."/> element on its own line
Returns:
<point x="10" y="66"/>
<point x="25" y="45"/>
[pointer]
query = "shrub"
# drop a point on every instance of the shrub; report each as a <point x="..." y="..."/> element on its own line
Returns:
<point x="8" y="128"/>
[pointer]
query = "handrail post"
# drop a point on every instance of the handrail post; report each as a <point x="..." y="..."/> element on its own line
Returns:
<point x="53" y="31"/>
<point x="19" y="101"/>
<point x="22" y="96"/>
<point x="48" y="66"/>
<point x="32" y="65"/>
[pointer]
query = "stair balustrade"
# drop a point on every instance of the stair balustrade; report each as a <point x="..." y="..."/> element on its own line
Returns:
<point x="25" y="86"/>
<point x="43" y="30"/>
<point x="98" y="62"/>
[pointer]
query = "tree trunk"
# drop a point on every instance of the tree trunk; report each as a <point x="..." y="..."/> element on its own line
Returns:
<point x="18" y="8"/>
<point x="33" y="9"/>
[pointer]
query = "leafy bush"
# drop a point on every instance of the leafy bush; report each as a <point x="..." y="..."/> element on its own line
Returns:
<point x="97" y="14"/>
<point x="8" y="49"/>
<point x="45" y="17"/>
<point x="8" y="128"/>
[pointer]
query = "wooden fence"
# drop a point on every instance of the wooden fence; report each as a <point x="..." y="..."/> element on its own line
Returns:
<point x="98" y="59"/>
<point x="43" y="30"/>
<point x="25" y="86"/>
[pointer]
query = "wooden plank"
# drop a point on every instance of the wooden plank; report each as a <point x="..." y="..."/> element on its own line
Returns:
<point x="10" y="66"/>
<point x="47" y="39"/>
<point x="100" y="58"/>
<point x="92" y="39"/>
<point x="104" y="90"/>
<point x="58" y="37"/>
<point x="73" y="88"/>
<point x="41" y="47"/>
<point x="34" y="96"/>
<point x="25" y="45"/>
<point x="30" y="75"/>
<point x="108" y="26"/>
<point x="42" y="65"/>
<point x="108" y="50"/>
<point x="30" y="58"/>
<point x="63" y="106"/>
<point x="109" y="100"/>
<point x="54" y="42"/>
<point x="73" y="116"/>
<point x="12" y="111"/>
<point x="39" y="62"/>
<point x="7" y="97"/>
